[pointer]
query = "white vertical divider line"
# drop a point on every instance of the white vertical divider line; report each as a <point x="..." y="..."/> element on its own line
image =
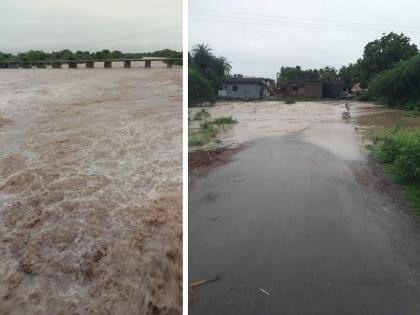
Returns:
<point x="185" y="159"/>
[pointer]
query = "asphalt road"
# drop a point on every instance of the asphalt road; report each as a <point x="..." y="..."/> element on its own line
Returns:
<point x="292" y="219"/>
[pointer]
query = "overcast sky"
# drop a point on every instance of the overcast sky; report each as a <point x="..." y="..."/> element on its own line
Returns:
<point x="310" y="33"/>
<point x="90" y="25"/>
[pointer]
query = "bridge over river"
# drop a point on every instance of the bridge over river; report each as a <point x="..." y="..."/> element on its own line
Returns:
<point x="87" y="63"/>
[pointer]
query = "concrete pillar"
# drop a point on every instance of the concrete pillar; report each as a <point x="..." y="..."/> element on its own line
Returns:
<point x="73" y="65"/>
<point x="127" y="64"/>
<point x="169" y="63"/>
<point x="90" y="64"/>
<point x="107" y="64"/>
<point x="56" y="65"/>
<point x="148" y="63"/>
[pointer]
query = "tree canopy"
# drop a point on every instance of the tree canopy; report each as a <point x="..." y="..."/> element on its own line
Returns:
<point x="326" y="74"/>
<point x="382" y="54"/>
<point x="206" y="74"/>
<point x="398" y="86"/>
<point x="66" y="54"/>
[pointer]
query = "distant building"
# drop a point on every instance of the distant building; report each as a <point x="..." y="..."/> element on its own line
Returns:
<point x="239" y="87"/>
<point x="302" y="88"/>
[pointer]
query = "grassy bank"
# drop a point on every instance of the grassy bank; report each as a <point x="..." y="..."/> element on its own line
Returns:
<point x="203" y="128"/>
<point x="398" y="150"/>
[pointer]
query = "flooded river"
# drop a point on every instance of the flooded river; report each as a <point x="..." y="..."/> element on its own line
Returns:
<point x="90" y="190"/>
<point x="319" y="123"/>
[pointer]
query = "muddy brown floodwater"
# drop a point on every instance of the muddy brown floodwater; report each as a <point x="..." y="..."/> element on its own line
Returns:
<point x="318" y="122"/>
<point x="90" y="191"/>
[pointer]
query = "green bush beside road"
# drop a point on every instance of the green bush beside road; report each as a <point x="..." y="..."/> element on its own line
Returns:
<point x="398" y="150"/>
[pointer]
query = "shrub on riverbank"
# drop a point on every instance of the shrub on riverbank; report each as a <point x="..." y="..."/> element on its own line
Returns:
<point x="400" y="148"/>
<point x="289" y="101"/>
<point x="399" y="152"/>
<point x="208" y="128"/>
<point x="224" y="121"/>
<point x="203" y="135"/>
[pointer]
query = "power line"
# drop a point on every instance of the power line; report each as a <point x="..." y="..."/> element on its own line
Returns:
<point x="290" y="25"/>
<point x="301" y="18"/>
<point x="286" y="19"/>
<point x="231" y="19"/>
<point x="277" y="21"/>
<point x="132" y="36"/>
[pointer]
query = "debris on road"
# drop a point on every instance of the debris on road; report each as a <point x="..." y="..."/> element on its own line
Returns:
<point x="205" y="281"/>
<point x="205" y="159"/>
<point x="264" y="291"/>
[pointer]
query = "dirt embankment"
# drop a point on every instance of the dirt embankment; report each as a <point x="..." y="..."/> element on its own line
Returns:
<point x="203" y="160"/>
<point x="371" y="176"/>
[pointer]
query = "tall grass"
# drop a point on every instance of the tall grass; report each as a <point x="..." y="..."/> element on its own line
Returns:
<point x="224" y="121"/>
<point x="208" y="129"/>
<point x="203" y="135"/>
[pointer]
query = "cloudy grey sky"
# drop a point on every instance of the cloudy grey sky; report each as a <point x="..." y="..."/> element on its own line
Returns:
<point x="90" y="25"/>
<point x="259" y="37"/>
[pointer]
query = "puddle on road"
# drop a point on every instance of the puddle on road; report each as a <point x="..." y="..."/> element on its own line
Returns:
<point x="319" y="123"/>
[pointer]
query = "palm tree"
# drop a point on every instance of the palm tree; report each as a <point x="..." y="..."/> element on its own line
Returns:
<point x="225" y="64"/>
<point x="202" y="56"/>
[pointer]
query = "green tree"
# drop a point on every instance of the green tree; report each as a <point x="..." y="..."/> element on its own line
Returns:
<point x="349" y="74"/>
<point x="202" y="56"/>
<point x="398" y="86"/>
<point x="212" y="69"/>
<point x="327" y="74"/>
<point x="383" y="53"/>
<point x="65" y="55"/>
<point x="290" y="74"/>
<point x="199" y="88"/>
<point x="217" y="70"/>
<point x="224" y="65"/>
<point x="117" y="54"/>
<point x="296" y="73"/>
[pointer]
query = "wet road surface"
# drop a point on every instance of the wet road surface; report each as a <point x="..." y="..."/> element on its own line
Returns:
<point x="291" y="218"/>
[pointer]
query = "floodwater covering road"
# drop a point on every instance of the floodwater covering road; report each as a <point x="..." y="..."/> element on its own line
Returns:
<point x="90" y="191"/>
<point x="301" y="221"/>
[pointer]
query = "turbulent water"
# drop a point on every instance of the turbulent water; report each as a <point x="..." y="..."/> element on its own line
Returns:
<point x="90" y="191"/>
<point x="317" y="122"/>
